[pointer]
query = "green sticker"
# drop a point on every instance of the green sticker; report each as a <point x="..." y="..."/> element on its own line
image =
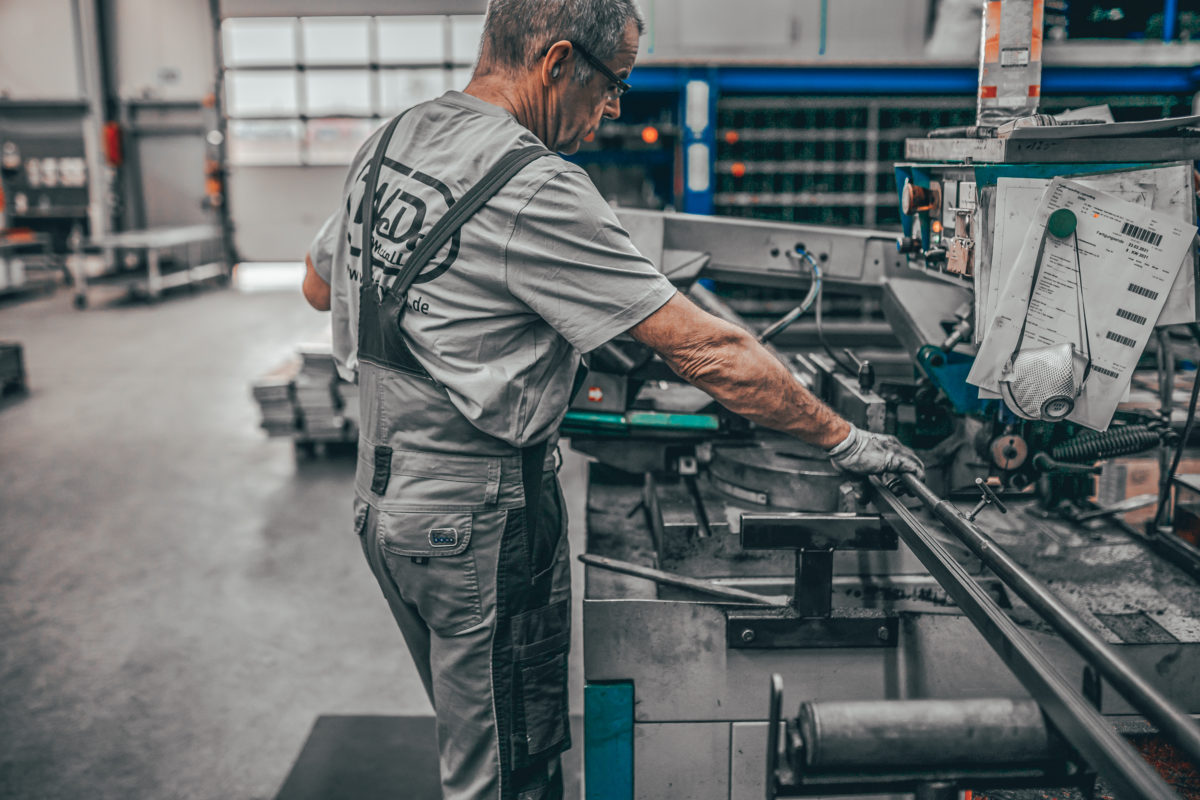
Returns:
<point x="1061" y="223"/>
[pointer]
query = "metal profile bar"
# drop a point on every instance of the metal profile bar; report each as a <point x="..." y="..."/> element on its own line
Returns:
<point x="1073" y="716"/>
<point x="729" y="594"/>
<point x="1170" y="19"/>
<point x="790" y="78"/>
<point x="725" y="166"/>
<point x="1178" y="726"/>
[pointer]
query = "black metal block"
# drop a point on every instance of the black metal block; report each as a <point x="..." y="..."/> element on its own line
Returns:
<point x="801" y="531"/>
<point x="765" y="629"/>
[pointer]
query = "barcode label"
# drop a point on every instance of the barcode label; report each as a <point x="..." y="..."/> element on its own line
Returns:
<point x="1143" y="291"/>
<point x="1141" y="234"/>
<point x="1119" y="339"/>
<point x="1132" y="317"/>
<point x="1104" y="371"/>
<point x="1014" y="57"/>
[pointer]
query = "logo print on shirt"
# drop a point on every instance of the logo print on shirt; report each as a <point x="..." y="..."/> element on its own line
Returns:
<point x="407" y="204"/>
<point x="443" y="537"/>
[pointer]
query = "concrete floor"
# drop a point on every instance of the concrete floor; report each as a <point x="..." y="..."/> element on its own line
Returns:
<point x="180" y="597"/>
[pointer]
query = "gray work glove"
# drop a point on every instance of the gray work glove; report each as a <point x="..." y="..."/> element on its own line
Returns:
<point x="864" y="453"/>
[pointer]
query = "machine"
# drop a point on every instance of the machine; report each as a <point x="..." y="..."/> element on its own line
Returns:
<point x="996" y="626"/>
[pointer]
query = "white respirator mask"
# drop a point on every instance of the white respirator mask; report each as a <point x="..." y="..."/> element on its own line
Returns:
<point x="1042" y="383"/>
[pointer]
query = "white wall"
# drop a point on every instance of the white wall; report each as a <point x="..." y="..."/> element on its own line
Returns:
<point x="39" y="57"/>
<point x="164" y="50"/>
<point x="789" y="30"/>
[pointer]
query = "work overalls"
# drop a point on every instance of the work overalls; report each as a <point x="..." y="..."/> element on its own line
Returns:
<point x="477" y="579"/>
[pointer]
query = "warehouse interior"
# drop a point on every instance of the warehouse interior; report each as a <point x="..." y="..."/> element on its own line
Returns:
<point x="185" y="610"/>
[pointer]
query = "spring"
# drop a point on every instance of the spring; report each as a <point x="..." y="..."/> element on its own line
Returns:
<point x="1122" y="441"/>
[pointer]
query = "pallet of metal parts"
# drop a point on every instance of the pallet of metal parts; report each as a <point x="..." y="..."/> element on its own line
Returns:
<point x="316" y="394"/>
<point x="273" y="392"/>
<point x="12" y="369"/>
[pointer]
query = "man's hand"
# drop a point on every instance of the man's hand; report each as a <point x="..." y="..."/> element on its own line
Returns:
<point x="864" y="453"/>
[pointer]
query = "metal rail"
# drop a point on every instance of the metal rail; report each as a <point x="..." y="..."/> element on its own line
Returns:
<point x="727" y="593"/>
<point x="1074" y="717"/>
<point x="1175" y="724"/>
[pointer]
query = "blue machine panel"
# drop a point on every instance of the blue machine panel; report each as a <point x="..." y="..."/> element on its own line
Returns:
<point x="608" y="741"/>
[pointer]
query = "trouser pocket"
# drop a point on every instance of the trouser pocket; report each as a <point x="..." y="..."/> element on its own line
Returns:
<point x="430" y="557"/>
<point x="541" y="638"/>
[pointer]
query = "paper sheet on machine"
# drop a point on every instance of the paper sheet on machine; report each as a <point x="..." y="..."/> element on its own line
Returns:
<point x="1129" y="256"/>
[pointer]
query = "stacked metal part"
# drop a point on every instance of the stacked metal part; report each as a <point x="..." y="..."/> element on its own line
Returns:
<point x="304" y="398"/>
<point x="12" y="368"/>
<point x="317" y="399"/>
<point x="273" y="392"/>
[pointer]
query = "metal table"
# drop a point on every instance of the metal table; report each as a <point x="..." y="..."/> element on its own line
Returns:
<point x="197" y="250"/>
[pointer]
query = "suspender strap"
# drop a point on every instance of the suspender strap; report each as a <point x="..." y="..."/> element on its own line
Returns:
<point x="368" y="202"/>
<point x="499" y="175"/>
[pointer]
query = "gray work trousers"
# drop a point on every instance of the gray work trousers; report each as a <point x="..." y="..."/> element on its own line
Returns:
<point x="484" y="607"/>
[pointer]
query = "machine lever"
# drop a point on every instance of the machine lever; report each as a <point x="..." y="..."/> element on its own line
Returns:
<point x="866" y="372"/>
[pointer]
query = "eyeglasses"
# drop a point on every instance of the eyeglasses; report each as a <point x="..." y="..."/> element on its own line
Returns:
<point x="620" y="87"/>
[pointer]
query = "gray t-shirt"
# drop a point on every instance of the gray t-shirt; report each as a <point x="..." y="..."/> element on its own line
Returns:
<point x="543" y="272"/>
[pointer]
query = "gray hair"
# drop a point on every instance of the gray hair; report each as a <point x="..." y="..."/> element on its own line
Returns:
<point x="517" y="33"/>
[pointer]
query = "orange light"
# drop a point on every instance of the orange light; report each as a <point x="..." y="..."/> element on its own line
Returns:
<point x="649" y="134"/>
<point x="591" y="137"/>
<point x="731" y="137"/>
<point x="936" y="226"/>
<point x="738" y="169"/>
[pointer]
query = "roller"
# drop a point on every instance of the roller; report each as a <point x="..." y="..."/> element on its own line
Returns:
<point x="924" y="734"/>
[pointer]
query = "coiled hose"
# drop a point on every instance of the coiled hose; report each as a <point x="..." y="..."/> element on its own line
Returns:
<point x="1123" y="441"/>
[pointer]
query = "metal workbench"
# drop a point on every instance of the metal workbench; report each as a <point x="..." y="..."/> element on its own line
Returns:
<point x="148" y="262"/>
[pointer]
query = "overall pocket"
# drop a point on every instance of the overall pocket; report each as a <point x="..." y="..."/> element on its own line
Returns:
<point x="430" y="558"/>
<point x="541" y="638"/>
<point x="545" y="538"/>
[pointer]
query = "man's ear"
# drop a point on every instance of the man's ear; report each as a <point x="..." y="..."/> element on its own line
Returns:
<point x="554" y="61"/>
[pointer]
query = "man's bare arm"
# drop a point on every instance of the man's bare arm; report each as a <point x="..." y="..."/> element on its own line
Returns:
<point x="729" y="364"/>
<point x="316" y="290"/>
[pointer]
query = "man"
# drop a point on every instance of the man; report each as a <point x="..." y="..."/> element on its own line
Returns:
<point x="457" y="411"/>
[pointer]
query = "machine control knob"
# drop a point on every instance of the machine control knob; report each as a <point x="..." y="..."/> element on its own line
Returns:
<point x="917" y="199"/>
<point x="908" y="244"/>
<point x="1009" y="452"/>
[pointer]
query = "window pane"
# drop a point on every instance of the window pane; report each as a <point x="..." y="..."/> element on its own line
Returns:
<point x="261" y="94"/>
<point x="412" y="40"/>
<point x="465" y="30"/>
<point x="335" y="141"/>
<point x="460" y="77"/>
<point x="264" y="142"/>
<point x="335" y="40"/>
<point x="401" y="88"/>
<point x="259" y="41"/>
<point x="338" y="92"/>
